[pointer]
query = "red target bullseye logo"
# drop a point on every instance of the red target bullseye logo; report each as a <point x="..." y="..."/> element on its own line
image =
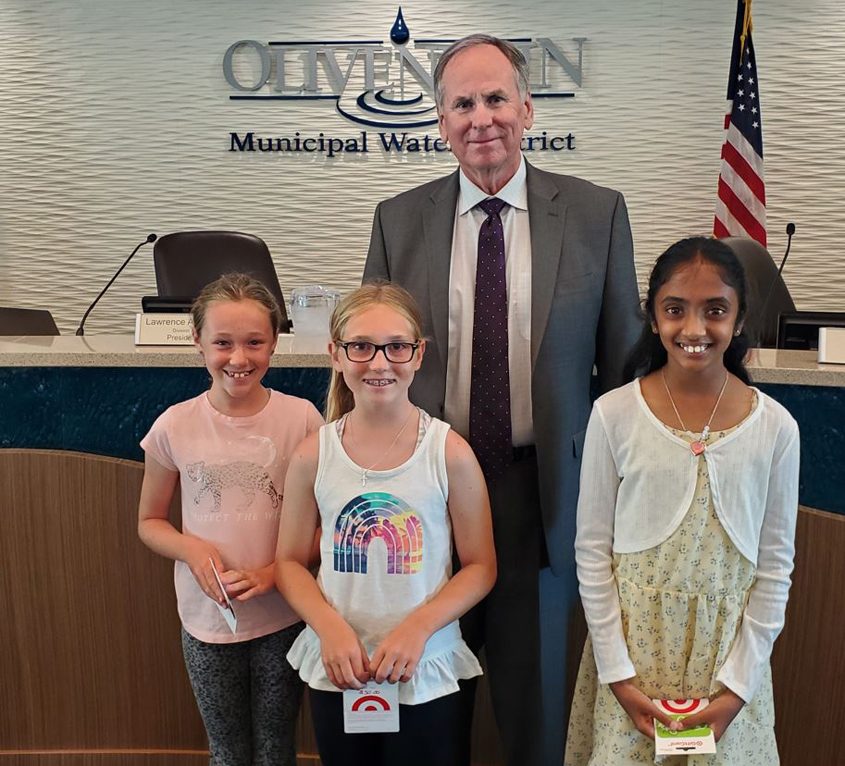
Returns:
<point x="680" y="707"/>
<point x="370" y="703"/>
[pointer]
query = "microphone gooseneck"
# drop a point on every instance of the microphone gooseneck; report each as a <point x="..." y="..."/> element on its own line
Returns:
<point x="150" y="238"/>
<point x="790" y="230"/>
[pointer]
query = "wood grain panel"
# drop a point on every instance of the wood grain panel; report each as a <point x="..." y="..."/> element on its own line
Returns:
<point x="92" y="661"/>
<point x="92" y="669"/>
<point x="808" y="664"/>
<point x="121" y="758"/>
<point x="96" y="660"/>
<point x="107" y="758"/>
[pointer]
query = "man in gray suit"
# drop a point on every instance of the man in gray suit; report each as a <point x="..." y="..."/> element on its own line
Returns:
<point x="561" y="265"/>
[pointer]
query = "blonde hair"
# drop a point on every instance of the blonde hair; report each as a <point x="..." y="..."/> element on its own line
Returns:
<point x="235" y="287"/>
<point x="339" y="399"/>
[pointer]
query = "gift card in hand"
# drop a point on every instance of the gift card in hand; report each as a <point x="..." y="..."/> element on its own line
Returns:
<point x="227" y="610"/>
<point x="375" y="708"/>
<point x="687" y="741"/>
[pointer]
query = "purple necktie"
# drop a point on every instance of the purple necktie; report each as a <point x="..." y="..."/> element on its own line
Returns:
<point x="490" y="390"/>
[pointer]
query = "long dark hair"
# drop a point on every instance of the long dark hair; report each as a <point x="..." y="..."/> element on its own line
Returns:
<point x="648" y="354"/>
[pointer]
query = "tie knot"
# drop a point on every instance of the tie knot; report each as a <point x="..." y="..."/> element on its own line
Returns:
<point x="492" y="206"/>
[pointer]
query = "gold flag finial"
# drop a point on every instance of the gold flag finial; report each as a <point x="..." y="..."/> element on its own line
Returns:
<point x="746" y="27"/>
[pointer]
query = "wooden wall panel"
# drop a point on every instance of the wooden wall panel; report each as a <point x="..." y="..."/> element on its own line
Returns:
<point x="92" y="668"/>
<point x="808" y="663"/>
<point x="91" y="620"/>
<point x="92" y="672"/>
<point x="121" y="758"/>
<point x="107" y="758"/>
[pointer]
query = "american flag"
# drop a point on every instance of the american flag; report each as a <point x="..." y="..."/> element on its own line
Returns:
<point x="741" y="206"/>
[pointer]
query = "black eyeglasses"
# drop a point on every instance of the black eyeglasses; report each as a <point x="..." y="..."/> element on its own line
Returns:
<point x="398" y="352"/>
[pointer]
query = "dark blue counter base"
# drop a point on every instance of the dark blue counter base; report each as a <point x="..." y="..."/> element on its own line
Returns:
<point x="107" y="410"/>
<point x="820" y="412"/>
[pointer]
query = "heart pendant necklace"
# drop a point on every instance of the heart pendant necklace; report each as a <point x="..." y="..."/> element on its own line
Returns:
<point x="697" y="446"/>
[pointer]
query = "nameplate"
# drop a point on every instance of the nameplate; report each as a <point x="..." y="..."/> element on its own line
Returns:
<point x="832" y="345"/>
<point x="163" y="330"/>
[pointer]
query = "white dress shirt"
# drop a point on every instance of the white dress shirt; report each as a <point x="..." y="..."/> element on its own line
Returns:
<point x="468" y="221"/>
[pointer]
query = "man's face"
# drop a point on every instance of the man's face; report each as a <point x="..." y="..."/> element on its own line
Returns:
<point x="482" y="115"/>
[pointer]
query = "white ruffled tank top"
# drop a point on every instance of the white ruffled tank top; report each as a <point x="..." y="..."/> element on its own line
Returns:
<point x="385" y="549"/>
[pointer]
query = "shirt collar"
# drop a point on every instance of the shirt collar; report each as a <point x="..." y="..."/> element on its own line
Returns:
<point x="514" y="192"/>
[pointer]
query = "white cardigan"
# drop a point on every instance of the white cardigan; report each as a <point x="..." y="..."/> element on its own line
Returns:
<point x="637" y="484"/>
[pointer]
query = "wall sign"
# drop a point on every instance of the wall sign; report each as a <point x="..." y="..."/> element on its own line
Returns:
<point x="387" y="87"/>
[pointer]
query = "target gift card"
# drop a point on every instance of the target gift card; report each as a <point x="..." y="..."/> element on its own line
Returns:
<point x="375" y="708"/>
<point x="689" y="741"/>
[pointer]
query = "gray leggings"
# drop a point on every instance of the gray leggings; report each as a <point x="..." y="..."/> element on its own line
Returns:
<point x="248" y="696"/>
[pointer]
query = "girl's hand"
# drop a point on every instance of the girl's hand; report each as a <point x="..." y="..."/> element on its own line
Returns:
<point x="244" y="584"/>
<point x="344" y="656"/>
<point x="198" y="556"/>
<point x="640" y="709"/>
<point x="718" y="714"/>
<point x="396" y="657"/>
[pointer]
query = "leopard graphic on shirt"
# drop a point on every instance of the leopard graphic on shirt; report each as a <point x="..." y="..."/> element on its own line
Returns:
<point x="248" y="477"/>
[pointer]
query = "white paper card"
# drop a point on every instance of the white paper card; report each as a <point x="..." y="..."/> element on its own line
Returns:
<point x="697" y="740"/>
<point x="228" y="611"/>
<point x="832" y="345"/>
<point x="375" y="708"/>
<point x="163" y="330"/>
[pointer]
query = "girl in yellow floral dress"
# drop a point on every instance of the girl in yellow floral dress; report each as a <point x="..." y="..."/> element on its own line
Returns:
<point x="686" y="524"/>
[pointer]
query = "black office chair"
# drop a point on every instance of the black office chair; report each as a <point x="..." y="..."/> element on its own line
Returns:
<point x="761" y="273"/>
<point x="27" y="322"/>
<point x="187" y="261"/>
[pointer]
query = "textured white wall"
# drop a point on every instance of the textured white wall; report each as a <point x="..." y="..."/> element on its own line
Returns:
<point x="115" y="120"/>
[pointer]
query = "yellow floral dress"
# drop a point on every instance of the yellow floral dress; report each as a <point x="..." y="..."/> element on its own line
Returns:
<point x="682" y="603"/>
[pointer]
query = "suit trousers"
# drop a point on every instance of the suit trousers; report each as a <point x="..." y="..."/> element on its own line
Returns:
<point x="523" y="625"/>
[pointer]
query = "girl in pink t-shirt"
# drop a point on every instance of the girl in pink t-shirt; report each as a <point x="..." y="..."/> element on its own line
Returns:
<point x="228" y="449"/>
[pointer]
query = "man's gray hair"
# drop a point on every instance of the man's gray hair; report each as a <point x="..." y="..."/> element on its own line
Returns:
<point x="511" y="52"/>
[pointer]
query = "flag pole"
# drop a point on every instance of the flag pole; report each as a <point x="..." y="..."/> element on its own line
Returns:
<point x="746" y="25"/>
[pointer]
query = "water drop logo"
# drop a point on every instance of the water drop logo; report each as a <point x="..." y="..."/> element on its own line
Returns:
<point x="399" y="34"/>
<point x="401" y="106"/>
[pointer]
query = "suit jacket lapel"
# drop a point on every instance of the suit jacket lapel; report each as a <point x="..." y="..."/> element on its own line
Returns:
<point x="438" y="224"/>
<point x="547" y="218"/>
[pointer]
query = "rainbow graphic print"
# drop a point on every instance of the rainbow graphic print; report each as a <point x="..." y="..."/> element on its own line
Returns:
<point x="378" y="515"/>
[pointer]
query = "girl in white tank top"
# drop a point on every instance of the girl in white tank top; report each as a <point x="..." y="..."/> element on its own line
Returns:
<point x="389" y="488"/>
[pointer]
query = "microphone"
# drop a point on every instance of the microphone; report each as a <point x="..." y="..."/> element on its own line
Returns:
<point x="790" y="230"/>
<point x="81" y="329"/>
